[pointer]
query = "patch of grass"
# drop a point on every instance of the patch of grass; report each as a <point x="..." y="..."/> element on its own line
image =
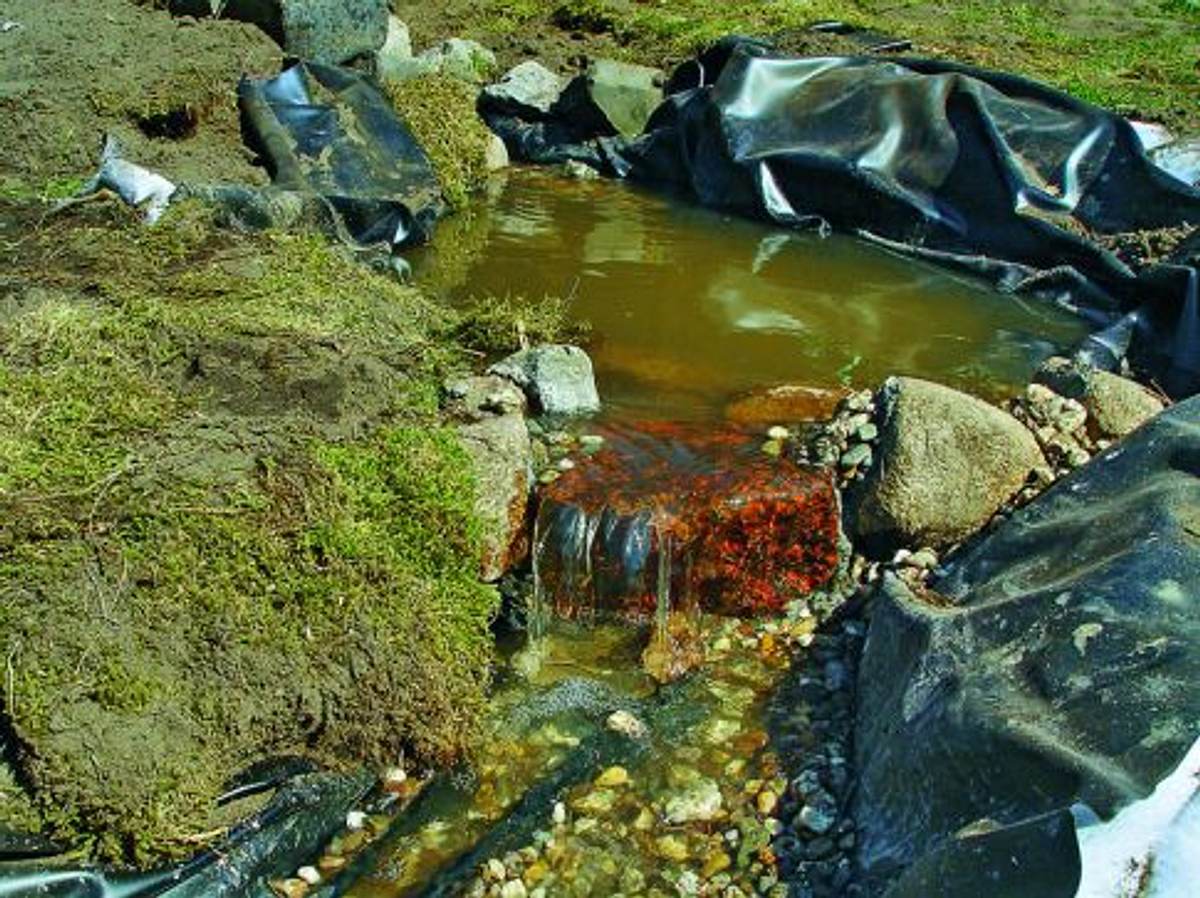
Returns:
<point x="440" y="111"/>
<point x="1137" y="57"/>
<point x="230" y="523"/>
<point x="496" y="325"/>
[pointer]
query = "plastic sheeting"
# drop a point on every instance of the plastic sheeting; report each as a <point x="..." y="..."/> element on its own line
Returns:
<point x="1054" y="663"/>
<point x="990" y="173"/>
<point x="305" y="814"/>
<point x="325" y="131"/>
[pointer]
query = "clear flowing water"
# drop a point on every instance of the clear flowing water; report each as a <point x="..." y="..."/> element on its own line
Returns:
<point x="690" y="307"/>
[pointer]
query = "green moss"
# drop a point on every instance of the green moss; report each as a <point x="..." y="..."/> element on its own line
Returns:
<point x="440" y="111"/>
<point x="230" y="524"/>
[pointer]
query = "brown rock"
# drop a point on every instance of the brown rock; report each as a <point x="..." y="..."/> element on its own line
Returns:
<point x="786" y="403"/>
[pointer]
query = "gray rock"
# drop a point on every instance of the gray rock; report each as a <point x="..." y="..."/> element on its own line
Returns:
<point x="947" y="462"/>
<point x="856" y="456"/>
<point x="558" y="379"/>
<point x="527" y="91"/>
<point x="818" y="816"/>
<point x="1116" y="406"/>
<point x="611" y="98"/>
<point x="333" y="31"/>
<point x="497" y="441"/>
<point x="396" y="50"/>
<point x="496" y="155"/>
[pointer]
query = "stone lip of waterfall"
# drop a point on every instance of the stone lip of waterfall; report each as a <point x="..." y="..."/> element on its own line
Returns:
<point x="677" y="516"/>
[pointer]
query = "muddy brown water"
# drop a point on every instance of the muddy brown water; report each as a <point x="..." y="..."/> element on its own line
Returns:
<point x="690" y="307"/>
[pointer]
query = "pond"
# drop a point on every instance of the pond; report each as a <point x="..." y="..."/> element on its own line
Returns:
<point x="689" y="307"/>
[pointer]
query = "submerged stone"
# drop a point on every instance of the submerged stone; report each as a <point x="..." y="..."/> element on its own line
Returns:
<point x="676" y="517"/>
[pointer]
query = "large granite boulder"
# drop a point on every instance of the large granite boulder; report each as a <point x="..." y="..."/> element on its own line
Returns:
<point x="947" y="462"/>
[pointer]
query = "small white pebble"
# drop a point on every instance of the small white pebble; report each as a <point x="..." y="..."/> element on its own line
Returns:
<point x="559" y="815"/>
<point x="309" y="875"/>
<point x="356" y="820"/>
<point x="778" y="432"/>
<point x="395" y="776"/>
<point x="565" y="464"/>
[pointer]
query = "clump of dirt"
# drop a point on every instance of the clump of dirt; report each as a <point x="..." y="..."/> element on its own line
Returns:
<point x="166" y="88"/>
<point x="230" y="524"/>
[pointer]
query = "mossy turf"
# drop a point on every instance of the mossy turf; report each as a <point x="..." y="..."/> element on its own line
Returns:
<point x="1136" y="56"/>
<point x="230" y="523"/>
<point x="440" y="112"/>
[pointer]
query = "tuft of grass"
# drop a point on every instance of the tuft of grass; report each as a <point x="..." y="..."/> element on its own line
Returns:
<point x="231" y="524"/>
<point x="496" y="325"/>
<point x="440" y="111"/>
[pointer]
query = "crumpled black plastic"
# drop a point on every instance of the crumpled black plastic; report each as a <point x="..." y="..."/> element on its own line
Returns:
<point x="326" y="131"/>
<point x="1055" y="663"/>
<point x="990" y="173"/>
<point x="303" y="815"/>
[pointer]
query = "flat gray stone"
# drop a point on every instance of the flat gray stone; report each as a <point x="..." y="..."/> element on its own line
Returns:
<point x="557" y="379"/>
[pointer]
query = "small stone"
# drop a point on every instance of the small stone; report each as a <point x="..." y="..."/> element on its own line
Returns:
<point x="715" y="863"/>
<point x="598" y="802"/>
<point x="613" y="776"/>
<point x="548" y="477"/>
<point x="580" y="171"/>
<point x="496" y="154"/>
<point x="514" y="888"/>
<point x="559" y="814"/>
<point x="591" y="442"/>
<point x="330" y="864"/>
<point x="565" y="464"/>
<point x="778" y="433"/>
<point x="394" y="779"/>
<point x="766" y="802"/>
<point x="355" y="820"/>
<point x="289" y="888"/>
<point x="774" y="448"/>
<point x="817" y="817"/>
<point x="699" y="801"/>
<point x="926" y="559"/>
<point x="585" y="824"/>
<point x="671" y="848"/>
<point x="644" y="822"/>
<point x="310" y="875"/>
<point x="856" y="456"/>
<point x="494" y="870"/>
<point x="627" y="724"/>
<point x="536" y="872"/>
<point x="867" y="433"/>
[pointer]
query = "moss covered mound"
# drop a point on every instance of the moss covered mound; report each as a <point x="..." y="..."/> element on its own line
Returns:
<point x="440" y="112"/>
<point x="230" y="525"/>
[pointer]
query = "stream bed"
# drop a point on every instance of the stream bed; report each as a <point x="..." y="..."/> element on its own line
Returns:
<point x="734" y="781"/>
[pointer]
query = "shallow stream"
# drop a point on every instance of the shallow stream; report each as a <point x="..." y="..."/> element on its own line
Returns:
<point x="689" y="310"/>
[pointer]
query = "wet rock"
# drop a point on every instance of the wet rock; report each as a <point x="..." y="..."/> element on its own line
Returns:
<point x="611" y="98"/>
<point x="856" y="456"/>
<point x="789" y="402"/>
<point x="626" y="723"/>
<point x="526" y="91"/>
<point x="948" y="462"/>
<point x="819" y="815"/>
<point x="557" y="379"/>
<point x="698" y="801"/>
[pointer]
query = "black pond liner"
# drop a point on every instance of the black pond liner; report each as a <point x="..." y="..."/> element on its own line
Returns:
<point x="300" y="819"/>
<point x="327" y="132"/>
<point x="986" y="172"/>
